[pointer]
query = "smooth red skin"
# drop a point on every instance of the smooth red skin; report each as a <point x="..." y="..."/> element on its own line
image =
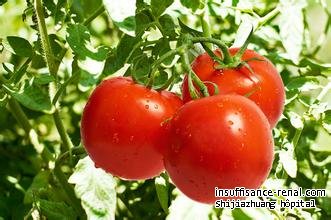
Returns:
<point x="269" y="90"/>
<point x="122" y="126"/>
<point x="218" y="141"/>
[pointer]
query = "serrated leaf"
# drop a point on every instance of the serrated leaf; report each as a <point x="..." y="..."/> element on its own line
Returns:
<point x="40" y="181"/>
<point x="122" y="13"/>
<point x="162" y="186"/>
<point x="33" y="97"/>
<point x="286" y="157"/>
<point x="56" y="210"/>
<point x="291" y="25"/>
<point x="79" y="40"/>
<point x="20" y="46"/>
<point x="191" y="4"/>
<point x="95" y="188"/>
<point x="168" y="25"/>
<point x="296" y="120"/>
<point x="326" y="122"/>
<point x="159" y="6"/>
<point x="141" y="68"/>
<point x="143" y="21"/>
<point x="118" y="58"/>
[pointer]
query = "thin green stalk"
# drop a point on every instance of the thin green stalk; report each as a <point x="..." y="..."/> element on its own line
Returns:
<point x="268" y="17"/>
<point x="98" y="12"/>
<point x="204" y="20"/>
<point x="159" y="61"/>
<point x="226" y="55"/>
<point x="192" y="77"/>
<point x="75" y="202"/>
<point x="63" y="179"/>
<point x="49" y="57"/>
<point x="61" y="129"/>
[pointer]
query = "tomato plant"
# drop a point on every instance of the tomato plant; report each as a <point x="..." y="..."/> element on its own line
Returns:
<point x="122" y="127"/>
<point x="213" y="141"/>
<point x="256" y="78"/>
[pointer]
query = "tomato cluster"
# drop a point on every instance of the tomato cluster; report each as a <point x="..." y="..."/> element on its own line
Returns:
<point x="223" y="140"/>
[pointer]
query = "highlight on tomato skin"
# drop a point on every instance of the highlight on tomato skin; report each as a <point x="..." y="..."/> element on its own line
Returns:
<point x="122" y="127"/>
<point x="264" y="86"/>
<point x="218" y="141"/>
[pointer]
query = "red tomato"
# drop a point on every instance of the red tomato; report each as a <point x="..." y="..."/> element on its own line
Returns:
<point x="218" y="141"/>
<point x="264" y="87"/>
<point x="122" y="127"/>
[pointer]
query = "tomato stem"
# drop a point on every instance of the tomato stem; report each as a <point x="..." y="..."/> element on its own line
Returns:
<point x="223" y="47"/>
<point x="192" y="77"/>
<point x="49" y="56"/>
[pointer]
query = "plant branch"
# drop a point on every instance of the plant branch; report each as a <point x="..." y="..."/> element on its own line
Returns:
<point x="49" y="57"/>
<point x="226" y="55"/>
<point x="98" y="12"/>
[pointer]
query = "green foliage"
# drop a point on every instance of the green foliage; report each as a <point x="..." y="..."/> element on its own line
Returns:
<point x="143" y="39"/>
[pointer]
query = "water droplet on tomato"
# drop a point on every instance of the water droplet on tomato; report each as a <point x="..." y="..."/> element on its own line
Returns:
<point x="156" y="106"/>
<point x="131" y="138"/>
<point x="147" y="100"/>
<point x="220" y="105"/>
<point x="230" y="122"/>
<point x="115" y="138"/>
<point x="146" y="106"/>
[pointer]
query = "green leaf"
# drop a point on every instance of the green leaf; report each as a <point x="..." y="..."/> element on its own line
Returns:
<point x="326" y="122"/>
<point x="296" y="120"/>
<point x="56" y="210"/>
<point x="159" y="6"/>
<point x="162" y="187"/>
<point x="186" y="209"/>
<point x="96" y="189"/>
<point x="287" y="158"/>
<point x="44" y="79"/>
<point x="118" y="57"/>
<point x="122" y="14"/>
<point x="162" y="47"/>
<point x="143" y="21"/>
<point x="141" y="68"/>
<point x="2" y="2"/>
<point x="168" y="25"/>
<point x="291" y="25"/>
<point x="40" y="181"/>
<point x="20" y="46"/>
<point x="303" y="84"/>
<point x="192" y="4"/>
<point x="33" y="97"/>
<point x="79" y="41"/>
<point x="238" y="214"/>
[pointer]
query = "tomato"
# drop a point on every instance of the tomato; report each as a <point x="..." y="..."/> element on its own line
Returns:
<point x="122" y="126"/>
<point x="264" y="86"/>
<point x="218" y="141"/>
